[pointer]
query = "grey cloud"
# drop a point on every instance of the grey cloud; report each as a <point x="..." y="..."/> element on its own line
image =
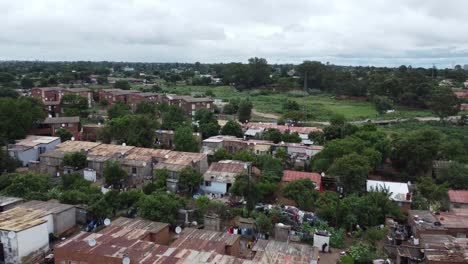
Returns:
<point x="389" y="32"/>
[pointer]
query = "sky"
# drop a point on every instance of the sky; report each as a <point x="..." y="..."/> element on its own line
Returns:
<point x="344" y="32"/>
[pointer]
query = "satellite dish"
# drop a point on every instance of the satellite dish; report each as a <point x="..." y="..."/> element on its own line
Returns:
<point x="126" y="260"/>
<point x="178" y="230"/>
<point x="92" y="242"/>
<point x="123" y="144"/>
<point x="11" y="235"/>
<point x="107" y="221"/>
<point x="72" y="138"/>
<point x="144" y="164"/>
<point x="194" y="223"/>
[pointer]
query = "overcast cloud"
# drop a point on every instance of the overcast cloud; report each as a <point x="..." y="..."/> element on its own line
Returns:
<point x="377" y="32"/>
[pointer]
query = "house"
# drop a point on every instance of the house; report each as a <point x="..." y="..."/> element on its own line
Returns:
<point x="398" y="191"/>
<point x="289" y="176"/>
<point x="176" y="161"/>
<point x="143" y="241"/>
<point x="190" y="104"/>
<point x="63" y="215"/>
<point x="301" y="154"/>
<point x="458" y="198"/>
<point x="139" y="240"/>
<point x="7" y="203"/>
<point x="50" y="125"/>
<point x="461" y="94"/>
<point x="90" y="132"/>
<point x="233" y="144"/>
<point x="50" y="162"/>
<point x="24" y="236"/>
<point x="51" y="97"/>
<point x="113" y="96"/>
<point x="256" y="133"/>
<point x="136" y="98"/>
<point x="84" y="92"/>
<point x="454" y="223"/>
<point x="221" y="175"/>
<point x="139" y="164"/>
<point x="302" y="131"/>
<point x="444" y="249"/>
<point x="102" y="153"/>
<point x="31" y="147"/>
<point x="272" y="251"/>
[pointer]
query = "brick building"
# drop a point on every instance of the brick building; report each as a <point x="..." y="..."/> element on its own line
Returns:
<point x="50" y="125"/>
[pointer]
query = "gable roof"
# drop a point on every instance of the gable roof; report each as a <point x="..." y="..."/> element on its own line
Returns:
<point x="458" y="196"/>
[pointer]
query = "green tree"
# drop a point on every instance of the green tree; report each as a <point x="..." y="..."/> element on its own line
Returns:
<point x="443" y="102"/>
<point x="232" y="128"/>
<point x="273" y="134"/>
<point x="102" y="79"/>
<point x="208" y="124"/>
<point x="184" y="140"/>
<point x="302" y="192"/>
<point x="6" y="77"/>
<point x="122" y="84"/>
<point x="63" y="134"/>
<point x="414" y="152"/>
<point x="352" y="171"/>
<point x="18" y="116"/>
<point x="76" y="160"/>
<point x="135" y="130"/>
<point x="221" y="154"/>
<point x="74" y="181"/>
<point x="263" y="223"/>
<point x="27" y="83"/>
<point x="245" y="187"/>
<point x="291" y="137"/>
<point x="243" y="155"/>
<point x="456" y="175"/>
<point x="7" y="163"/>
<point x="146" y="108"/>
<point x="382" y="104"/>
<point x="317" y="137"/>
<point x="432" y="191"/>
<point x="28" y="186"/>
<point x="161" y="207"/>
<point x="244" y="113"/>
<point x="113" y="174"/>
<point x="259" y="71"/>
<point x="74" y="102"/>
<point x="290" y="105"/>
<point x="119" y="109"/>
<point x="173" y="118"/>
<point x="189" y="180"/>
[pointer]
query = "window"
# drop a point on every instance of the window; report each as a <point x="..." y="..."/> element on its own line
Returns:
<point x="134" y="170"/>
<point x="207" y="183"/>
<point x="42" y="150"/>
<point x="193" y="106"/>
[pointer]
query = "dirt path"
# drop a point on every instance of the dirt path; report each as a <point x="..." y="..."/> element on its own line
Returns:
<point x="265" y="115"/>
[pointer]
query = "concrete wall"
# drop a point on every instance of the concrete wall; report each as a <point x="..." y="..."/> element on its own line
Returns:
<point x="25" y="156"/>
<point x="320" y="240"/>
<point x="216" y="187"/>
<point x="50" y="223"/>
<point x="10" y="247"/>
<point x="32" y="242"/>
<point x="65" y="220"/>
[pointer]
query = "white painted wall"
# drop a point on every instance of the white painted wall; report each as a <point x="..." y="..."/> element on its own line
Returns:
<point x="50" y="223"/>
<point x="10" y="247"/>
<point x="320" y="240"/>
<point x="216" y="187"/>
<point x="32" y="239"/>
<point x="89" y="175"/>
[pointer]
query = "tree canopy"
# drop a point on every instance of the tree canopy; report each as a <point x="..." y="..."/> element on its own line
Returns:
<point x="232" y="128"/>
<point x="184" y="140"/>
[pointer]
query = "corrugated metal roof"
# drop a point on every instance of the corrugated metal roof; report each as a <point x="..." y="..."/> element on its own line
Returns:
<point x="9" y="200"/>
<point x="18" y="219"/>
<point x="289" y="175"/>
<point x="61" y="120"/>
<point x="458" y="196"/>
<point x="49" y="207"/>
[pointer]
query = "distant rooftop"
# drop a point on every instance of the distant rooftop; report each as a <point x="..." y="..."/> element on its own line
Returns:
<point x="9" y="200"/>
<point x="398" y="190"/>
<point x="61" y="120"/>
<point x="224" y="171"/>
<point x="49" y="207"/>
<point x="458" y="196"/>
<point x="31" y="141"/>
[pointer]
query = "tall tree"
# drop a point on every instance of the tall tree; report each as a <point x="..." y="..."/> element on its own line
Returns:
<point x="443" y="102"/>
<point x="302" y="192"/>
<point x="232" y="128"/>
<point x="352" y="171"/>
<point x="184" y="140"/>
<point x="173" y="117"/>
<point x="119" y="109"/>
<point x="245" y="111"/>
<point x="189" y="180"/>
<point x="259" y="71"/>
<point x="160" y="206"/>
<point x="114" y="174"/>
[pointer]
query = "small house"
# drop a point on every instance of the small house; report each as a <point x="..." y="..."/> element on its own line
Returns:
<point x="289" y="176"/>
<point x="458" y="198"/>
<point x="221" y="175"/>
<point x="399" y="192"/>
<point x="7" y="203"/>
<point x="31" y="147"/>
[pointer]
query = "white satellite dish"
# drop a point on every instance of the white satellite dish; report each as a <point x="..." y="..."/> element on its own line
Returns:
<point x="123" y="144"/>
<point x="126" y="260"/>
<point x="11" y="235"/>
<point x="107" y="221"/>
<point x="178" y="230"/>
<point x="72" y="138"/>
<point x="144" y="164"/>
<point x="194" y="223"/>
<point x="92" y="242"/>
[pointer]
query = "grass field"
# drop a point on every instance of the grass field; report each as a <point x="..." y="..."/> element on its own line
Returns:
<point x="447" y="129"/>
<point x="321" y="106"/>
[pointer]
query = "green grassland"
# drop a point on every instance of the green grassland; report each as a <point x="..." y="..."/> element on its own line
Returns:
<point x="321" y="106"/>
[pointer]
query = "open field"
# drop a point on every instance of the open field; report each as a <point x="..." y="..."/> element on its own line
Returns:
<point x="321" y="106"/>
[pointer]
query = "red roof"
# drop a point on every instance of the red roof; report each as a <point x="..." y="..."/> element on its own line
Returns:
<point x="461" y="94"/>
<point x="458" y="196"/>
<point x="289" y="176"/>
